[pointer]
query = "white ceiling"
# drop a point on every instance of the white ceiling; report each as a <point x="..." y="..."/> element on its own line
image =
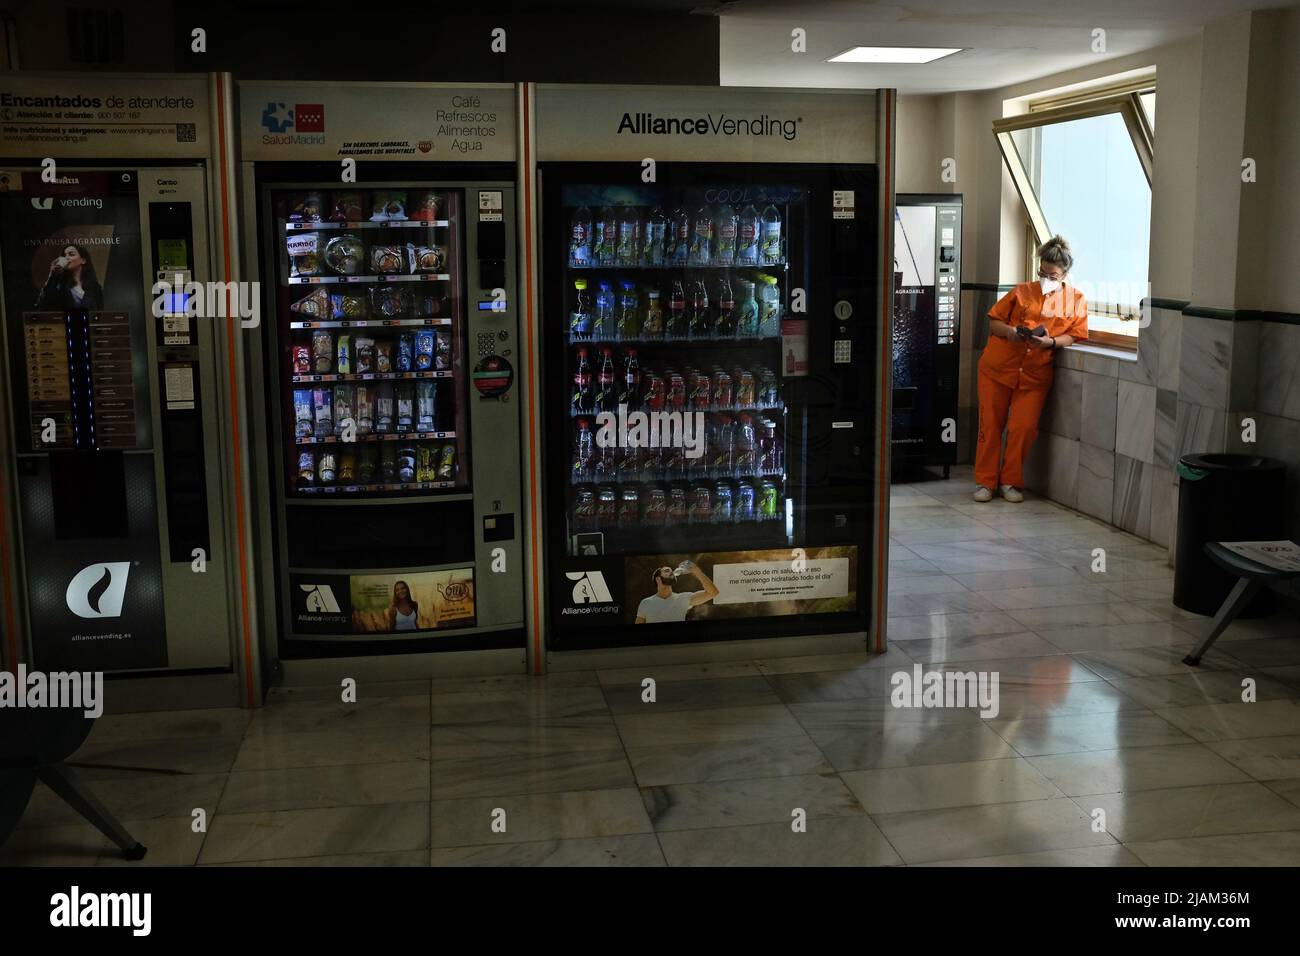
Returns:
<point x="1004" y="41"/>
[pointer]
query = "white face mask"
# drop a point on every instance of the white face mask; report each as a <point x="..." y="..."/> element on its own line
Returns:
<point x="1049" y="285"/>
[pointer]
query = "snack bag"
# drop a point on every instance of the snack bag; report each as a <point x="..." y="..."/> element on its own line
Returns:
<point x="345" y="305"/>
<point x="344" y="364"/>
<point x="384" y="356"/>
<point x="344" y="255"/>
<point x="406" y="352"/>
<point x="315" y="304"/>
<point x="322" y="400"/>
<point x="304" y="254"/>
<point x="424" y="349"/>
<point x="425" y="258"/>
<point x="365" y="362"/>
<point x="306" y="468"/>
<point x="302" y="413"/>
<point x="322" y="350"/>
<point x="387" y="260"/>
<point x="365" y="409"/>
<point x="345" y="401"/>
<point x="387" y="205"/>
<point x="307" y="208"/>
<point x="301" y="360"/>
<point x="347" y="207"/>
<point x="427" y="207"/>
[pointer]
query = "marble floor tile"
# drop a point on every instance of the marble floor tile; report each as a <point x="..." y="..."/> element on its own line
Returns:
<point x="833" y="685"/>
<point x="979" y="647"/>
<point x="1080" y="615"/>
<point x="1013" y="598"/>
<point x="171" y="755"/>
<point x="1264" y="758"/>
<point x="893" y="657"/>
<point x="973" y="532"/>
<point x="482" y="776"/>
<point x="898" y="789"/>
<point x="170" y="841"/>
<point x="1265" y="718"/>
<point x="926" y="626"/>
<point x="911" y="745"/>
<point x="704" y="726"/>
<point x="911" y="568"/>
<point x="1265" y="652"/>
<point x="324" y="715"/>
<point x="901" y="605"/>
<point x="691" y="695"/>
<point x="1136" y="768"/>
<point x="402" y="858"/>
<point x="1115" y="637"/>
<point x="129" y="728"/>
<point x="1016" y="672"/>
<point x="285" y="834"/>
<point x="829" y="841"/>
<point x="1238" y="849"/>
<point x="538" y="701"/>
<point x="1061" y="700"/>
<point x="539" y="817"/>
<point x="497" y="683"/>
<point x="366" y="689"/>
<point x="1288" y="790"/>
<point x="1206" y="687"/>
<point x="126" y="793"/>
<point x="333" y="748"/>
<point x="927" y="584"/>
<point x="302" y="788"/>
<point x="1040" y="736"/>
<point x="1281" y="625"/>
<point x="714" y="670"/>
<point x="531" y="738"/>
<point x="964" y="562"/>
<point x="999" y="580"/>
<point x="1196" y="811"/>
<point x="663" y="764"/>
<point x="995" y="829"/>
<point x="1153" y="661"/>
<point x="639" y="849"/>
<point x="727" y="803"/>
<point x="1141" y="590"/>
<point x="1112" y="855"/>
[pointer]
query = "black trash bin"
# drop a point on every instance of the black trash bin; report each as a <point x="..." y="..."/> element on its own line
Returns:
<point x="1224" y="497"/>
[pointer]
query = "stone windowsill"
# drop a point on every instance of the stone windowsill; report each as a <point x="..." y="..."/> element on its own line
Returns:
<point x="1088" y="348"/>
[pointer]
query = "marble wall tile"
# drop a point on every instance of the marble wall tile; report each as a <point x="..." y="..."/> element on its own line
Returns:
<point x="1280" y="438"/>
<point x="1038" y="464"/>
<point x="1147" y="366"/>
<point x="1062" y="469"/>
<point x="1096" y="491"/>
<point x="1064" y="406"/>
<point x="1278" y="384"/>
<point x="1132" y="508"/>
<point x="1199" y="429"/>
<point x="1162" y="480"/>
<point x="1071" y="359"/>
<point x="1204" y="361"/>
<point x="1243" y="373"/>
<point x="1171" y="341"/>
<point x="1135" y="421"/>
<point x="1166" y="433"/>
<point x="1100" y="398"/>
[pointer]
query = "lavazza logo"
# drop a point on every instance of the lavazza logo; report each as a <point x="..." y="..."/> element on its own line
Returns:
<point x="648" y="124"/>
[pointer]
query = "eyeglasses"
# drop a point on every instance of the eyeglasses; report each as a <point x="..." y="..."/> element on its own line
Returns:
<point x="1044" y="275"/>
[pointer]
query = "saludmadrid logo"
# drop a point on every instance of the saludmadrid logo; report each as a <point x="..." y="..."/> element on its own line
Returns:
<point x="97" y="590"/>
<point x="647" y="124"/>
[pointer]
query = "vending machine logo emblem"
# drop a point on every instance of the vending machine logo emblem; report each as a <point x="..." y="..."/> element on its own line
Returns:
<point x="425" y="145"/>
<point x="98" y="589"/>
<point x="43" y="203"/>
<point x="589" y="587"/>
<point x="320" y="598"/>
<point x="276" y="118"/>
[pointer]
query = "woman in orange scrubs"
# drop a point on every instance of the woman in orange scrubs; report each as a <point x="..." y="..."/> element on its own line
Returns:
<point x="1015" y="371"/>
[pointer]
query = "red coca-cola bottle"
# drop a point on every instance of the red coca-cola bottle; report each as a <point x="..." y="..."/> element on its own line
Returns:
<point x="583" y="401"/>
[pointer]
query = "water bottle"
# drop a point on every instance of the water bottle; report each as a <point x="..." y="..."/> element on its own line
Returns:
<point x="747" y="239"/>
<point x="583" y="400"/>
<point x="580" y="315"/>
<point x="728" y="228"/>
<point x="676" y="311"/>
<point x="724" y="326"/>
<point x="605" y="237"/>
<point x="602" y="323"/>
<point x="701" y="249"/>
<point x="656" y="232"/>
<point x="769" y="307"/>
<point x="747" y="314"/>
<point x="677" y="247"/>
<point x="580" y="239"/>
<point x="629" y="237"/>
<point x="629" y="312"/>
<point x="770" y="241"/>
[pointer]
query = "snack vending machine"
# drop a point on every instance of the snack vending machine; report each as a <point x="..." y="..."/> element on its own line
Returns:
<point x="927" y="297"/>
<point x="391" y="435"/>
<point x="707" y="350"/>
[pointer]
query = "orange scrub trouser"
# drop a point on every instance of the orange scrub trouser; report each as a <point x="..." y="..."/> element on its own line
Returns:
<point x="1025" y="406"/>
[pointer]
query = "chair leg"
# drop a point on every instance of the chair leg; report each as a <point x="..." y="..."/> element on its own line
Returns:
<point x="1241" y="594"/>
<point x="67" y="785"/>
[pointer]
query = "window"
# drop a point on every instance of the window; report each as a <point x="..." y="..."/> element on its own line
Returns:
<point x="1083" y="170"/>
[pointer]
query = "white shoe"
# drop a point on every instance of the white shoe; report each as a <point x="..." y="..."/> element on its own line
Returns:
<point x="1011" y="493"/>
<point x="982" y="494"/>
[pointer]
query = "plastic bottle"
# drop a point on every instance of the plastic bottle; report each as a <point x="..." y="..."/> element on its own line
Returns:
<point x="747" y="238"/>
<point x="653" y="328"/>
<point x="629" y="312"/>
<point x="701" y="251"/>
<point x="677" y="246"/>
<point x="583" y="398"/>
<point x="676" y="328"/>
<point x="724" y="325"/>
<point x="605" y="237"/>
<point x="728" y="229"/>
<point x="580" y="239"/>
<point x="656" y="232"/>
<point x="769" y="306"/>
<point x="698" y="316"/>
<point x="602" y="323"/>
<point x="580" y="316"/>
<point x="629" y="236"/>
<point x="606" y="394"/>
<point x="631" y="394"/>
<point x="583" y="451"/>
<point x="770" y="236"/>
<point x="747" y="312"/>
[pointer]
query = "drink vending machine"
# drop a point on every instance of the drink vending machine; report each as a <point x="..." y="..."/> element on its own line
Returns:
<point x="927" y="324"/>
<point x="709" y="350"/>
<point x="120" y="551"/>
<point x="385" y="227"/>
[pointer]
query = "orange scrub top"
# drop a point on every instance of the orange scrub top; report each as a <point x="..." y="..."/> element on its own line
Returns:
<point x="1018" y="364"/>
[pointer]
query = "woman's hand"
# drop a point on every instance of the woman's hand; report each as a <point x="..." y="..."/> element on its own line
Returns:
<point x="1042" y="341"/>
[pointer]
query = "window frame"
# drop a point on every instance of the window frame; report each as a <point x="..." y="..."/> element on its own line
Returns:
<point x="1123" y="99"/>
